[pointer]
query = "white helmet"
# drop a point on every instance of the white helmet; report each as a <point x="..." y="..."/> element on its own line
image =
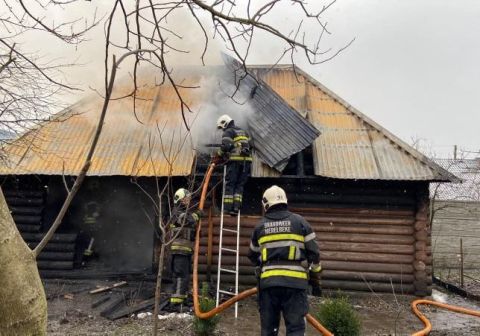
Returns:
<point x="223" y="121"/>
<point x="273" y="195"/>
<point x="180" y="194"/>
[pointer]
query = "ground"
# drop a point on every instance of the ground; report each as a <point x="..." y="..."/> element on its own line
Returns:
<point x="381" y="314"/>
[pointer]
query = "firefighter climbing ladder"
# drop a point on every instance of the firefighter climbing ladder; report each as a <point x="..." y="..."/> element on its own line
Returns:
<point x="221" y="249"/>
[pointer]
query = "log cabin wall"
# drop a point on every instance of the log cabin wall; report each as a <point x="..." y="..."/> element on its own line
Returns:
<point x="372" y="236"/>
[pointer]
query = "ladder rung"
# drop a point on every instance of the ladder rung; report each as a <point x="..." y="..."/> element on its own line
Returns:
<point x="226" y="292"/>
<point x="228" y="270"/>
<point x="229" y="250"/>
<point x="230" y="230"/>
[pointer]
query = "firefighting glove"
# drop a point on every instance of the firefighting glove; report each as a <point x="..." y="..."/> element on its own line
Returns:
<point x="316" y="268"/>
<point x="198" y="214"/>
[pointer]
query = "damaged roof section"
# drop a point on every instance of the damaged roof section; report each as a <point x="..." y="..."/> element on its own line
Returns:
<point x="277" y="129"/>
<point x="352" y="146"/>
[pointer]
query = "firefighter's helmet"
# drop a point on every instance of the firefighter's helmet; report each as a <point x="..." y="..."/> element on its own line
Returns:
<point x="223" y="121"/>
<point x="180" y="194"/>
<point x="273" y="195"/>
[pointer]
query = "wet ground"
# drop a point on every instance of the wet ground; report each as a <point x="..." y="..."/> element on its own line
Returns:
<point x="382" y="314"/>
<point x="471" y="279"/>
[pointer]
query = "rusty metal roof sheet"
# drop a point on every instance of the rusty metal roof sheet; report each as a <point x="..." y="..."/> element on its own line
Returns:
<point x="159" y="145"/>
<point x="351" y="145"/>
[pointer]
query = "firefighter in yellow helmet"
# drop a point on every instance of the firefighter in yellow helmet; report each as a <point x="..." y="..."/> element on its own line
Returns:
<point x="284" y="249"/>
<point x="183" y="224"/>
<point x="236" y="150"/>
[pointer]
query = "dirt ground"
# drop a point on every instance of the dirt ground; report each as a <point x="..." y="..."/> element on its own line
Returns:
<point x="382" y="314"/>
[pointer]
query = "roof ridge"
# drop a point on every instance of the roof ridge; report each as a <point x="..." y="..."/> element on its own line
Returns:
<point x="443" y="173"/>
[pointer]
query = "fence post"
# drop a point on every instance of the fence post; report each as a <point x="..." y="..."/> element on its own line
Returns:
<point x="461" y="262"/>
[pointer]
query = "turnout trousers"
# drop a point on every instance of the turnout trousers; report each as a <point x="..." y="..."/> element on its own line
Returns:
<point x="180" y="267"/>
<point x="291" y="302"/>
<point x="235" y="179"/>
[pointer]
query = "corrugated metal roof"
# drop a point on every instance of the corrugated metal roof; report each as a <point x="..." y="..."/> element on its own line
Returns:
<point x="468" y="170"/>
<point x="351" y="145"/>
<point x="277" y="129"/>
<point x="126" y="146"/>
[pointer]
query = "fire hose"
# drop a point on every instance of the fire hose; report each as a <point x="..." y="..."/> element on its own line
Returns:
<point x="249" y="292"/>
<point x="428" y="326"/>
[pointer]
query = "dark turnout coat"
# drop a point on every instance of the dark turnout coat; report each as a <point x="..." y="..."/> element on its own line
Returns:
<point x="284" y="246"/>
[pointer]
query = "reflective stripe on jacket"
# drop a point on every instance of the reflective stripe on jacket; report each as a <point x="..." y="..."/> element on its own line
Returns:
<point x="236" y="143"/>
<point x="284" y="245"/>
<point x="183" y="224"/>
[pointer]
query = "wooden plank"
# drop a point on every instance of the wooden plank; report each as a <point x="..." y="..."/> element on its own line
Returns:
<point x="356" y="220"/>
<point x="101" y="301"/>
<point x="57" y="237"/>
<point x="367" y="267"/>
<point x="366" y="247"/>
<point x="127" y="311"/>
<point x="366" y="257"/>
<point x="368" y="276"/>
<point x="54" y="265"/>
<point x="28" y="228"/>
<point x="66" y="256"/>
<point x="107" y="288"/>
<point x="378" y="287"/>
<point x="27" y="219"/>
<point x="378" y="229"/>
<point x="366" y="238"/>
<point x="115" y="303"/>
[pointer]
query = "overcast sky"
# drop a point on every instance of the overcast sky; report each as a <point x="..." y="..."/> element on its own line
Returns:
<point x="414" y="66"/>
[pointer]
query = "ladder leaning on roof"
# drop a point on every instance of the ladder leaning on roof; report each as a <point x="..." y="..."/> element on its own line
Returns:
<point x="221" y="249"/>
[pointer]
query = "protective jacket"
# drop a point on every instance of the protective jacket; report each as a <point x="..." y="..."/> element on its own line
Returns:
<point x="235" y="144"/>
<point x="184" y="223"/>
<point x="283" y="246"/>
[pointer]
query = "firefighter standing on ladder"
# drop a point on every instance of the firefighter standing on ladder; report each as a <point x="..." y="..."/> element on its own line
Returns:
<point x="183" y="224"/>
<point x="284" y="249"/>
<point x="236" y="149"/>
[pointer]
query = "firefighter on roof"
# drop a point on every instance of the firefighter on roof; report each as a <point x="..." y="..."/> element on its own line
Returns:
<point x="284" y="249"/>
<point x="236" y="149"/>
<point x="183" y="224"/>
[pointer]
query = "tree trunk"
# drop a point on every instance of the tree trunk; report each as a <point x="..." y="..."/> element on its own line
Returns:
<point x="23" y="308"/>
<point x="158" y="288"/>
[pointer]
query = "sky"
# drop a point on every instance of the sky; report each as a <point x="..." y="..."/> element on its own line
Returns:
<point x="413" y="67"/>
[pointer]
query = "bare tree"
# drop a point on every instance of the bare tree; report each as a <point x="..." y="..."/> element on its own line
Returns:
<point x="143" y="29"/>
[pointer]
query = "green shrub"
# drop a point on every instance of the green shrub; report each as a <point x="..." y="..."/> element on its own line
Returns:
<point x="338" y="316"/>
<point x="205" y="327"/>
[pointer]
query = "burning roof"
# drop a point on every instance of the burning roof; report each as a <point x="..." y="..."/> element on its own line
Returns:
<point x="285" y="110"/>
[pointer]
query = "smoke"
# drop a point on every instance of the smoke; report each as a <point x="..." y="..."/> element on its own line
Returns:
<point x="218" y="95"/>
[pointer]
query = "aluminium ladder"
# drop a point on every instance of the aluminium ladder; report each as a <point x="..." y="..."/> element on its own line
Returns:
<point x="221" y="249"/>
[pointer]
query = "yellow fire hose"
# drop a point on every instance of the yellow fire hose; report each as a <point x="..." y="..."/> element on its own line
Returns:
<point x="249" y="292"/>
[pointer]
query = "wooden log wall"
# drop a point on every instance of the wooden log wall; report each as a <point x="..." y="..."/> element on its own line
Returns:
<point x="422" y="263"/>
<point x="364" y="249"/>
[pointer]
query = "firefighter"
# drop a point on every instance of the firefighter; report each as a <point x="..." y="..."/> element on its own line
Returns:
<point x="236" y="150"/>
<point x="284" y="249"/>
<point x="183" y="224"/>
